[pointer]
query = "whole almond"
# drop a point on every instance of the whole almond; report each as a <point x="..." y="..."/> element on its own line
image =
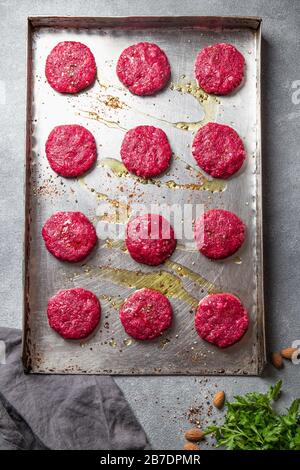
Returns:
<point x="276" y="359"/>
<point x="194" y="435"/>
<point x="287" y="353"/>
<point x="219" y="399"/>
<point x="190" y="446"/>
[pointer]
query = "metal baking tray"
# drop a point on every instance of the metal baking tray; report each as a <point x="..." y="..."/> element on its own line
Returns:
<point x="108" y="109"/>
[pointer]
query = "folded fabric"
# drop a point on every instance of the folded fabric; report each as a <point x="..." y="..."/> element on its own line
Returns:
<point x="62" y="411"/>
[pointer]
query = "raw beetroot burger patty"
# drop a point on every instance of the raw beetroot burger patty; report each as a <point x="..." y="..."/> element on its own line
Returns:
<point x="219" y="233"/>
<point x="150" y="239"/>
<point x="219" y="68"/>
<point x="143" y="68"/>
<point x="69" y="236"/>
<point x="146" y="314"/>
<point x="74" y="313"/>
<point x="71" y="150"/>
<point x="221" y="319"/>
<point x="218" y="150"/>
<point x="70" y="67"/>
<point x="146" y="151"/>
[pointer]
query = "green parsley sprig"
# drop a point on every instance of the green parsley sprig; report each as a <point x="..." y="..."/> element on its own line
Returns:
<point x="251" y="423"/>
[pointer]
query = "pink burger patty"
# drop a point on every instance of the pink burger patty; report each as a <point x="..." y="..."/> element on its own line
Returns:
<point x="146" y="151"/>
<point x="71" y="150"/>
<point x="70" y="67"/>
<point x="69" y="236"/>
<point x="146" y="314"/>
<point x="150" y="239"/>
<point x="221" y="319"/>
<point x="143" y="68"/>
<point x="219" y="233"/>
<point x="219" y="69"/>
<point x="218" y="150"/>
<point x="74" y="313"/>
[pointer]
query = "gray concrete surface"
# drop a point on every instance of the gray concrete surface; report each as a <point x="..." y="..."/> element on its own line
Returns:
<point x="161" y="403"/>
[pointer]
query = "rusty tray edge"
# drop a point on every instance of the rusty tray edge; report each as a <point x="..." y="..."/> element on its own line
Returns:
<point x="259" y="208"/>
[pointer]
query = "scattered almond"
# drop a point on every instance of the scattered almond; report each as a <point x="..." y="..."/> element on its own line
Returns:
<point x="276" y="360"/>
<point x="287" y="353"/>
<point x="194" y="435"/>
<point x="190" y="446"/>
<point x="219" y="399"/>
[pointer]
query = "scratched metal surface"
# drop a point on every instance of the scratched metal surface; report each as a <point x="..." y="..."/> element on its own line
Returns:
<point x="107" y="110"/>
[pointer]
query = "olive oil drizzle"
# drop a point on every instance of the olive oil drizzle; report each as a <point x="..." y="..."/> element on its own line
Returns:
<point x="183" y="271"/>
<point x="88" y="114"/>
<point x="119" y="169"/>
<point x="208" y="102"/>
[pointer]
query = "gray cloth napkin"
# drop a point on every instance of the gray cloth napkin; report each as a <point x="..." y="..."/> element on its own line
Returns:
<point x="62" y="411"/>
